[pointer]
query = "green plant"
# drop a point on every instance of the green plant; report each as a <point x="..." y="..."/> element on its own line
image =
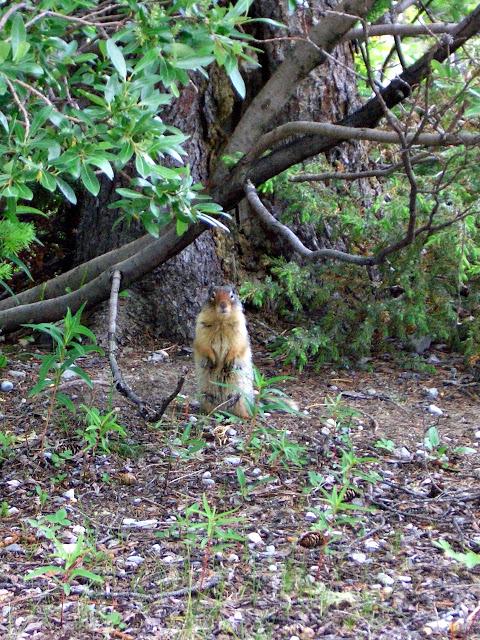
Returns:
<point x="70" y="558"/>
<point x="67" y="337"/>
<point x="4" y="507"/>
<point x="6" y="445"/>
<point x="386" y="444"/>
<point x="98" y="429"/>
<point x="470" y="559"/>
<point x="279" y="445"/>
<point x="42" y="496"/>
<point x="187" y="445"/>
<point x="246" y="488"/>
<point x="3" y="360"/>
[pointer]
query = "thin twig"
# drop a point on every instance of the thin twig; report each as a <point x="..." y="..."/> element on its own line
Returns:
<point x="20" y="105"/>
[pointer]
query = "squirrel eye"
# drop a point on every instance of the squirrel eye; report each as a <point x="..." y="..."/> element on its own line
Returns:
<point x="232" y="295"/>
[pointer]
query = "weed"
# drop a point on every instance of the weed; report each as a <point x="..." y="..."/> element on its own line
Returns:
<point x="67" y="337"/>
<point x="99" y="429"/>
<point x="469" y="559"/>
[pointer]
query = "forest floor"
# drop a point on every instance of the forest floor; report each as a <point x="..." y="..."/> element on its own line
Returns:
<point x="193" y="527"/>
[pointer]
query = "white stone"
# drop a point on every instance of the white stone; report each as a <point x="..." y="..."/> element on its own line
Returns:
<point x="434" y="410"/>
<point x="68" y="374"/>
<point x="17" y="374"/>
<point x="385" y="579"/>
<point x="193" y="419"/>
<point x="233" y="460"/>
<point x="432" y="392"/>
<point x="371" y="545"/>
<point x="256" y="472"/>
<point x="139" y="524"/>
<point x="70" y="495"/>
<point x="206" y="474"/>
<point x="255" y="538"/>
<point x="273" y="567"/>
<point x="438" y="626"/>
<point x="13" y="484"/>
<point x="311" y="517"/>
<point x="135" y="560"/>
<point x="6" y="385"/>
<point x="270" y="549"/>
<point x="208" y="482"/>
<point x="359" y="557"/>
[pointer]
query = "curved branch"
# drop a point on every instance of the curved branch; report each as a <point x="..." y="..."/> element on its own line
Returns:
<point x="229" y="191"/>
<point x="77" y="277"/>
<point x="340" y="132"/>
<point x="145" y="410"/>
<point x="294" y="241"/>
<point x="97" y="290"/>
<point x="303" y="58"/>
<point x="402" y="30"/>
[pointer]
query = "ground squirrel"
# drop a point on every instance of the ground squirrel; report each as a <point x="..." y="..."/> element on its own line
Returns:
<point x="223" y="358"/>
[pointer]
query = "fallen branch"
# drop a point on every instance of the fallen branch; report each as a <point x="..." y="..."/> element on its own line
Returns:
<point x="144" y="409"/>
<point x="402" y="30"/>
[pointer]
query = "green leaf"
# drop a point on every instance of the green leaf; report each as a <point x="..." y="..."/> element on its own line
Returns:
<point x="92" y="577"/>
<point x="48" y="181"/>
<point x="66" y="401"/>
<point x="194" y="62"/>
<point x="4" y="121"/>
<point x="67" y="190"/>
<point x="19" y="38"/>
<point x="181" y="227"/>
<point x="4" y="51"/>
<point x="118" y="61"/>
<point x="89" y="179"/>
<point x="41" y="571"/>
<point x="237" y="81"/>
<point x="103" y="164"/>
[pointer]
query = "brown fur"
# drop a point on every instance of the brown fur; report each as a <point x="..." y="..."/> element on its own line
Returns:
<point x="222" y="353"/>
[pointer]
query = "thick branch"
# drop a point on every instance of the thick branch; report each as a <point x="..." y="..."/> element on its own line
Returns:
<point x="401" y="30"/>
<point x="77" y="277"/>
<point x="145" y="410"/>
<point x="340" y="132"/>
<point x="97" y="290"/>
<point x="303" y="58"/>
<point x="231" y="191"/>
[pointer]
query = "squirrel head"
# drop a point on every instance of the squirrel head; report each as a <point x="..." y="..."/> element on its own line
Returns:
<point x="223" y="300"/>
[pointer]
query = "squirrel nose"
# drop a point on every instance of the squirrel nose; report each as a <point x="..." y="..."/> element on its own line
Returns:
<point x="223" y="306"/>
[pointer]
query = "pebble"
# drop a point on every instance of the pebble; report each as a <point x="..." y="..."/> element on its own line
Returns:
<point x="311" y="517"/>
<point x="156" y="549"/>
<point x="158" y="356"/>
<point x="273" y="567"/>
<point x="208" y="482"/>
<point x="434" y="410"/>
<point x="13" y="511"/>
<point x="232" y="432"/>
<point x="14" y="548"/>
<point x="404" y="578"/>
<point x="477" y="435"/>
<point x="403" y="453"/>
<point x="70" y="495"/>
<point x="6" y="385"/>
<point x="270" y="550"/>
<point x="13" y="484"/>
<point x="139" y="524"/>
<point x="193" y="419"/>
<point x="68" y="374"/>
<point x="135" y="560"/>
<point x="433" y="359"/>
<point x="17" y="374"/>
<point x="385" y="579"/>
<point x="432" y="392"/>
<point x="325" y="431"/>
<point x="206" y="474"/>
<point x="371" y="545"/>
<point x="359" y="557"/>
<point x="233" y="460"/>
<point x="258" y="472"/>
<point x="233" y="558"/>
<point x="436" y="626"/>
<point x="255" y="538"/>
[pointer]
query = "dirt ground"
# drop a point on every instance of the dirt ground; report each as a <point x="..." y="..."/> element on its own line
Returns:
<point x="233" y="565"/>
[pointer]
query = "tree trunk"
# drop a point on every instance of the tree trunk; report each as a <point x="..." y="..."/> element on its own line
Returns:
<point x="167" y="301"/>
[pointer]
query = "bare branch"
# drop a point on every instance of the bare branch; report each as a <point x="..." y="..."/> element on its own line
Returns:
<point x="20" y="105"/>
<point x="145" y="410"/>
<point x="11" y="11"/>
<point x="340" y="132"/>
<point x="358" y="175"/>
<point x="282" y="230"/>
<point x="402" y="30"/>
<point x="303" y="57"/>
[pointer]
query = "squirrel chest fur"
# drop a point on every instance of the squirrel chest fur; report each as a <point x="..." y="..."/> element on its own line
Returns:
<point x="223" y="359"/>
